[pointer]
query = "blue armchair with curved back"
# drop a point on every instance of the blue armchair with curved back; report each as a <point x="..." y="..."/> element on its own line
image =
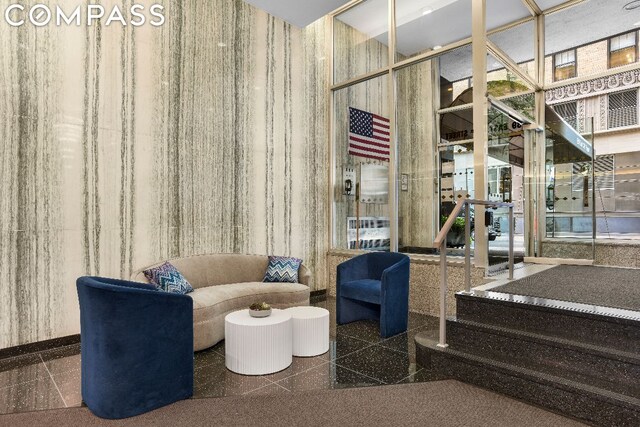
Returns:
<point x="374" y="286"/>
<point x="136" y="346"/>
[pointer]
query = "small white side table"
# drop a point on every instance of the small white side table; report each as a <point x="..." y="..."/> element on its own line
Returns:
<point x="310" y="330"/>
<point x="257" y="346"/>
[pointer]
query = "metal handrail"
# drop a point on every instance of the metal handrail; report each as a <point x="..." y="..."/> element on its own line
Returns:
<point x="442" y="235"/>
<point x="441" y="242"/>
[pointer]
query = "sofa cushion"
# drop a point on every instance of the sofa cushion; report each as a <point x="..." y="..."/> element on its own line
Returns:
<point x="211" y="305"/>
<point x="366" y="290"/>
<point x="167" y="278"/>
<point x="282" y="269"/>
<point x="240" y="295"/>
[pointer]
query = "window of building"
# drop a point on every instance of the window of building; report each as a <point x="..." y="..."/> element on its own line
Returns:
<point x="623" y="49"/>
<point x="564" y="65"/>
<point x="569" y="112"/>
<point x="623" y="108"/>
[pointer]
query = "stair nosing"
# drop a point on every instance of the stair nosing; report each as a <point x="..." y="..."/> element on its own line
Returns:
<point x="615" y="398"/>
<point x="556" y="306"/>
<point x="600" y="351"/>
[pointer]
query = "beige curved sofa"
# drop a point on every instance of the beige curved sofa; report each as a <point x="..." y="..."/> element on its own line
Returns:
<point x="223" y="283"/>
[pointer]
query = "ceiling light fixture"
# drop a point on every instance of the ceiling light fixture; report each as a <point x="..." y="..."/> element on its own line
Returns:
<point x="632" y="5"/>
<point x="436" y="47"/>
<point x="427" y="11"/>
<point x="637" y="24"/>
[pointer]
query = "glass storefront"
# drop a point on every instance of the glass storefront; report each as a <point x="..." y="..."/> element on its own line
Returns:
<point x="404" y="144"/>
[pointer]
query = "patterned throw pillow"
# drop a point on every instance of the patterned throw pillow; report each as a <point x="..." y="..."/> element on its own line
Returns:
<point x="282" y="269"/>
<point x="167" y="278"/>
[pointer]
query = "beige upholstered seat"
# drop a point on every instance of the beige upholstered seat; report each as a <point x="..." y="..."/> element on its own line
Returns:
<point x="227" y="282"/>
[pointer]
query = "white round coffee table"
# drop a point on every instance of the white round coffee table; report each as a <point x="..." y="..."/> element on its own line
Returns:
<point x="310" y="330"/>
<point x="257" y="346"/>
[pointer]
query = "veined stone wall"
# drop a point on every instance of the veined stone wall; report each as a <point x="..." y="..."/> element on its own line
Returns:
<point x="125" y="146"/>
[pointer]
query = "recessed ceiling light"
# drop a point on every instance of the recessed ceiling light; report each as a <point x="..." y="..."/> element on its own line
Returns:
<point x="637" y="24"/>
<point x="426" y="12"/>
<point x="222" y="44"/>
<point x="436" y="47"/>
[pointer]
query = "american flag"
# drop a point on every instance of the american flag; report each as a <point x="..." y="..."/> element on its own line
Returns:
<point x="368" y="135"/>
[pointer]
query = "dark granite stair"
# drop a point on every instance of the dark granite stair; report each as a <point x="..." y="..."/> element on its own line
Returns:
<point x="601" y="326"/>
<point x="581" y="361"/>
<point x="615" y="371"/>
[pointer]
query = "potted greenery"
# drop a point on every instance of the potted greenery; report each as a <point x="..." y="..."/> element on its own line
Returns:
<point x="259" y="309"/>
<point x="455" y="237"/>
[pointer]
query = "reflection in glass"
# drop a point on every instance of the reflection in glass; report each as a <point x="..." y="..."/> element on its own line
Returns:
<point x="456" y="84"/>
<point x="360" y="40"/>
<point x="569" y="176"/>
<point x="506" y="162"/>
<point x="456" y="68"/>
<point x="521" y="52"/>
<point x="502" y="82"/>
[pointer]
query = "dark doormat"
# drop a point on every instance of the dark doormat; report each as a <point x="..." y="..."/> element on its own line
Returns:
<point x="603" y="286"/>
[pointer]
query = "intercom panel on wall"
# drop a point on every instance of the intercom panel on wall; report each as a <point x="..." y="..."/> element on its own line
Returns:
<point x="349" y="181"/>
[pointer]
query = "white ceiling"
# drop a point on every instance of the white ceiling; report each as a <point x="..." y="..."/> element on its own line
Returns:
<point x="450" y="21"/>
<point x="298" y="12"/>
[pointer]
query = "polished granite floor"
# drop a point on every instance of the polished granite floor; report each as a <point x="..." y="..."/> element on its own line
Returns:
<point x="357" y="357"/>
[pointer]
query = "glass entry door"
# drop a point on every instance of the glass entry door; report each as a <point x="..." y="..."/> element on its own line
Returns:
<point x="507" y="157"/>
<point x="566" y="197"/>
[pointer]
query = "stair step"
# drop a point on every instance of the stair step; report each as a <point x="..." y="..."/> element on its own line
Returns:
<point x="599" y="326"/>
<point x="609" y="369"/>
<point x="583" y="401"/>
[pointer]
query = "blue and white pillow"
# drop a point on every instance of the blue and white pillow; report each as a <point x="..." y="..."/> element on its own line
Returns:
<point x="282" y="269"/>
<point x="167" y="278"/>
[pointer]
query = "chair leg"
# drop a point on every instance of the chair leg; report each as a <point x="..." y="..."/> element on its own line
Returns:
<point x="393" y="321"/>
<point x="348" y="310"/>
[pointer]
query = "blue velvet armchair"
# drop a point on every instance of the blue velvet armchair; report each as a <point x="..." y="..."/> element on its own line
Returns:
<point x="374" y="286"/>
<point x="136" y="346"/>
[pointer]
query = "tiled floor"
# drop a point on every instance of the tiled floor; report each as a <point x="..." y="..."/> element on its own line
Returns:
<point x="357" y="357"/>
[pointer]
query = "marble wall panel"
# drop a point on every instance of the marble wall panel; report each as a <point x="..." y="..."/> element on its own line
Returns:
<point x="417" y="153"/>
<point x="124" y="146"/>
<point x="356" y="53"/>
<point x="616" y="253"/>
<point x="30" y="190"/>
<point x="313" y="223"/>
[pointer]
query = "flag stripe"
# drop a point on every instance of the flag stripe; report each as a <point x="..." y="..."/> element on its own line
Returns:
<point x="373" y="150"/>
<point x="381" y="124"/>
<point x="361" y="140"/>
<point x="384" y="119"/>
